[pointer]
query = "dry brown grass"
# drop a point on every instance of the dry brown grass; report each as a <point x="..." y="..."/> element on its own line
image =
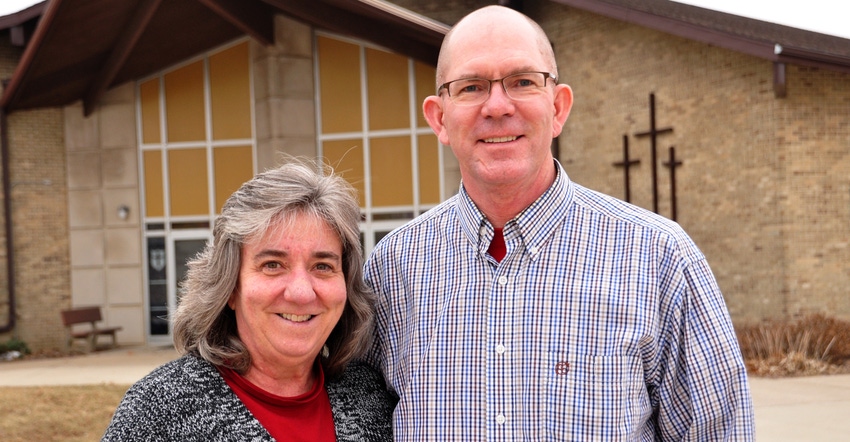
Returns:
<point x="810" y="345"/>
<point x="65" y="413"/>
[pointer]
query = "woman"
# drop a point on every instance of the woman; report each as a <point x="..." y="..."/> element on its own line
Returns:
<point x="273" y="313"/>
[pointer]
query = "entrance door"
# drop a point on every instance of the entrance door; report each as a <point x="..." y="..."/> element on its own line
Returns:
<point x="167" y="258"/>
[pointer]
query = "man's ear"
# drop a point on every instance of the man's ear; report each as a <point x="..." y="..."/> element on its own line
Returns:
<point x="432" y="108"/>
<point x="563" y="104"/>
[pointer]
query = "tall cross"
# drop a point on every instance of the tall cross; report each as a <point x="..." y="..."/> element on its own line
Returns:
<point x="672" y="164"/>
<point x="626" y="164"/>
<point x="653" y="133"/>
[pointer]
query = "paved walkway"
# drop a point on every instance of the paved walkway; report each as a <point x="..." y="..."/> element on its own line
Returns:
<point x="124" y="365"/>
<point x="815" y="408"/>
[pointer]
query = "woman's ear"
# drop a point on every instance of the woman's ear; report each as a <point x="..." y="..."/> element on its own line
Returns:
<point x="232" y="300"/>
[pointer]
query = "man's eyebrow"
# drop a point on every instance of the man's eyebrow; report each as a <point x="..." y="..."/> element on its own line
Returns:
<point x="507" y="73"/>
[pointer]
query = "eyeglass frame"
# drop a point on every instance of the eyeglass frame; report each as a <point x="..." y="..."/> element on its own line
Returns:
<point x="546" y="76"/>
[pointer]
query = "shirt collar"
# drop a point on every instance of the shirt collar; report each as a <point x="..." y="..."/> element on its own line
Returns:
<point x="534" y="225"/>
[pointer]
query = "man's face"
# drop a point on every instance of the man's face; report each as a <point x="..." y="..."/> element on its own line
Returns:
<point x="500" y="142"/>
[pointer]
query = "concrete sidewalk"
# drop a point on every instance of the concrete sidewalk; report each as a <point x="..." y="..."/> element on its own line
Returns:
<point x="814" y="408"/>
<point x="811" y="408"/>
<point x="124" y="365"/>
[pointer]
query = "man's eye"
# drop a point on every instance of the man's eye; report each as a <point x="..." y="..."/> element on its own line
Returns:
<point x="468" y="88"/>
<point x="522" y="83"/>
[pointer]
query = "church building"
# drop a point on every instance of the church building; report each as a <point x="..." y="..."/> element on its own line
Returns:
<point x="125" y="125"/>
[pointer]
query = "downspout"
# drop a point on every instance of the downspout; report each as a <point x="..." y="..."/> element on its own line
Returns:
<point x="7" y="216"/>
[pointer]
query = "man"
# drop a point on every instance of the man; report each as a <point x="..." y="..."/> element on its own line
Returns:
<point x="530" y="308"/>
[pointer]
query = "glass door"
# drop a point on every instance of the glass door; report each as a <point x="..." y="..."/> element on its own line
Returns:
<point x="167" y="259"/>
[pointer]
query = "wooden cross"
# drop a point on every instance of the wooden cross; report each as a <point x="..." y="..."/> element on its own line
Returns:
<point x="626" y="164"/>
<point x="672" y="164"/>
<point x="653" y="133"/>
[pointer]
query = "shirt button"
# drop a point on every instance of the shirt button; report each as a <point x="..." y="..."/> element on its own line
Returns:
<point x="482" y="231"/>
<point x="534" y="250"/>
<point x="500" y="419"/>
<point x="503" y="280"/>
<point x="500" y="349"/>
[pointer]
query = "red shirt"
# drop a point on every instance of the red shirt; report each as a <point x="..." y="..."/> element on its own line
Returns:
<point x="306" y="417"/>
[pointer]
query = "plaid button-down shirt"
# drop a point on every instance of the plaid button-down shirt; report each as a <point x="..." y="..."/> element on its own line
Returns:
<point x="602" y="322"/>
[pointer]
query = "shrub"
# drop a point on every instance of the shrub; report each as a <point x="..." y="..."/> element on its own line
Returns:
<point x="14" y="344"/>
<point x="812" y="344"/>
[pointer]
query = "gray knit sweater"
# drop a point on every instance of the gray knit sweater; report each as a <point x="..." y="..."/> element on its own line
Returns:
<point x="188" y="400"/>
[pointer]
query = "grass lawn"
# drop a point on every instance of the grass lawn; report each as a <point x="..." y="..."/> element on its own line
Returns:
<point x="65" y="413"/>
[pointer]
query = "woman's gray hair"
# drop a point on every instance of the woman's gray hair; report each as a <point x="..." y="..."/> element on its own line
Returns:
<point x="205" y="325"/>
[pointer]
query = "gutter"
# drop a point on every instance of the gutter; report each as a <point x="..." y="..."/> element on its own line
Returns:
<point x="7" y="216"/>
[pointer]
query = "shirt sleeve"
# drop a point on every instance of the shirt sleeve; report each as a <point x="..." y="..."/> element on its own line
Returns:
<point x="702" y="391"/>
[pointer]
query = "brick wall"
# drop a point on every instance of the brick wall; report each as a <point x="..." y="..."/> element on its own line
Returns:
<point x="40" y="225"/>
<point x="764" y="188"/>
<point x="813" y="134"/>
<point x="40" y="235"/>
<point x="39" y="220"/>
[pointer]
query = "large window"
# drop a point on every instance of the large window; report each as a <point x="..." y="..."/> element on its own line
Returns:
<point x="372" y="131"/>
<point x="196" y="143"/>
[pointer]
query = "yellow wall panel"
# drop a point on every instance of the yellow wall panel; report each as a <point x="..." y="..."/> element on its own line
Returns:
<point x="346" y="158"/>
<point x="425" y="86"/>
<point x="149" y="100"/>
<point x="339" y="79"/>
<point x="389" y="102"/>
<point x="230" y="93"/>
<point x="184" y="103"/>
<point x="392" y="178"/>
<point x="154" y="196"/>
<point x="429" y="169"/>
<point x="233" y="166"/>
<point x="187" y="178"/>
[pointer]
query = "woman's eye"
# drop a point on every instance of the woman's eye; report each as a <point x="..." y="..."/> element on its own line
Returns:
<point x="271" y="265"/>
<point x="324" y="266"/>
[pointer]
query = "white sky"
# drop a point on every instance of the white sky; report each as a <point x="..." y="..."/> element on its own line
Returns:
<point x="825" y="16"/>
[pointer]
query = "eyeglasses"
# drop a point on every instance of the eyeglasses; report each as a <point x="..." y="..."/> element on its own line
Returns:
<point x="518" y="87"/>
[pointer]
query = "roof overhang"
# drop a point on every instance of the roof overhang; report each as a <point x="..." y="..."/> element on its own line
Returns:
<point x="749" y="36"/>
<point x="82" y="48"/>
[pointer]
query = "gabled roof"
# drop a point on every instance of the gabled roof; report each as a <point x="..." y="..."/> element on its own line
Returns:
<point x="81" y="48"/>
<point x="770" y="41"/>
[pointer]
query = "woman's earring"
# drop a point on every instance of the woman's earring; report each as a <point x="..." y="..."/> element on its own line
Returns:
<point x="325" y="351"/>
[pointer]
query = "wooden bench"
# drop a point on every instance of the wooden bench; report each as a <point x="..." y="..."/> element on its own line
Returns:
<point x="82" y="315"/>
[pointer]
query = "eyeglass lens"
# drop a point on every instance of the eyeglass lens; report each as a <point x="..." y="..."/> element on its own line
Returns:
<point x="520" y="86"/>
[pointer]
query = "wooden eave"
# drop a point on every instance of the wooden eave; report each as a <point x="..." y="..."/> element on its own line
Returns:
<point x="82" y="48"/>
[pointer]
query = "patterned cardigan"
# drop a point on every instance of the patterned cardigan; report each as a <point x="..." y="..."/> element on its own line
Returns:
<point x="188" y="400"/>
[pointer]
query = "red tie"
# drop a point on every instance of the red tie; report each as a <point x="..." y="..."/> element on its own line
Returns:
<point x="497" y="247"/>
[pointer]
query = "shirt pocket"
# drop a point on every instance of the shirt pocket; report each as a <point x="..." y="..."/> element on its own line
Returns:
<point x="595" y="398"/>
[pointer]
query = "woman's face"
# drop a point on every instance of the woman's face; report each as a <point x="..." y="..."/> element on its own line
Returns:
<point x="291" y="292"/>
